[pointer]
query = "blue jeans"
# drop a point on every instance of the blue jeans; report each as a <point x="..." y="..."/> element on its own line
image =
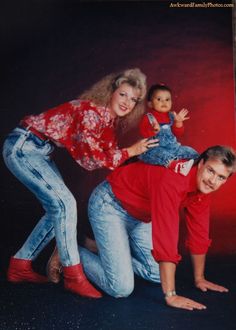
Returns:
<point x="29" y="159"/>
<point x="124" y="245"/>
<point x="168" y="149"/>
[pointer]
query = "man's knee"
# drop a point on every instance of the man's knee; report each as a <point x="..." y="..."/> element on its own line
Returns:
<point x="121" y="288"/>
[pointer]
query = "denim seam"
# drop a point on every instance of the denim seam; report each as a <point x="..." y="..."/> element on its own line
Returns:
<point x="58" y="198"/>
<point x="19" y="145"/>
<point x="39" y="245"/>
<point x="143" y="254"/>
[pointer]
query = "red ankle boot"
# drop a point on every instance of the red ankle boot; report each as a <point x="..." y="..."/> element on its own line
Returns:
<point x="76" y="281"/>
<point x="20" y="270"/>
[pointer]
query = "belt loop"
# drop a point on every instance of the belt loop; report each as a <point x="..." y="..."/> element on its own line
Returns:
<point x="32" y="130"/>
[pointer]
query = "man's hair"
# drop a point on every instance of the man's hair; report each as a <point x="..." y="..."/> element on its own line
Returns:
<point x="224" y="154"/>
<point x="155" y="88"/>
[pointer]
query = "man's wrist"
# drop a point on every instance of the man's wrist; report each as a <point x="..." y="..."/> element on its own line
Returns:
<point x="169" y="294"/>
<point x="198" y="279"/>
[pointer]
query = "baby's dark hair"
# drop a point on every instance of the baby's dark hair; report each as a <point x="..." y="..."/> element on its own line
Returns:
<point x="156" y="87"/>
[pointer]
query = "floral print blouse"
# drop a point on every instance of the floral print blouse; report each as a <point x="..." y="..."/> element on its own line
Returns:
<point x="85" y="130"/>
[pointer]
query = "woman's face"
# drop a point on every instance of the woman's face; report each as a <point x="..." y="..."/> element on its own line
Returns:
<point x="123" y="100"/>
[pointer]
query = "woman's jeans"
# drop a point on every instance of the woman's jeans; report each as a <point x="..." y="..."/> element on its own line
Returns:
<point x="168" y="149"/>
<point x="124" y="245"/>
<point x="28" y="158"/>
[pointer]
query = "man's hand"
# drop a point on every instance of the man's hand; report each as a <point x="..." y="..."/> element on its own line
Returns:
<point x="205" y="285"/>
<point x="184" y="303"/>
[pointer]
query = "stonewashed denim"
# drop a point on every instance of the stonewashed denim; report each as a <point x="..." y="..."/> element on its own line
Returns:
<point x="168" y="149"/>
<point x="124" y="245"/>
<point x="29" y="159"/>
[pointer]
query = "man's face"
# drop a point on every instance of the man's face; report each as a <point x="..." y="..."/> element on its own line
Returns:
<point x="211" y="175"/>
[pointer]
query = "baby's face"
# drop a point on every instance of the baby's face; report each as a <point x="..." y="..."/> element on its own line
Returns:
<point x="161" y="101"/>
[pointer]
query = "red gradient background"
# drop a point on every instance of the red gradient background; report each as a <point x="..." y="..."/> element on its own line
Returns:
<point x="55" y="50"/>
<point x="195" y="58"/>
<point x="200" y="71"/>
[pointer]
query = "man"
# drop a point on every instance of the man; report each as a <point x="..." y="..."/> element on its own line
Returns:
<point x="139" y="196"/>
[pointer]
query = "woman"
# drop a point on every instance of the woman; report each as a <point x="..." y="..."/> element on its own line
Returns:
<point x="86" y="128"/>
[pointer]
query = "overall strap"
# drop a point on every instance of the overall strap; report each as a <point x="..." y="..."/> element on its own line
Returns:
<point x="172" y="117"/>
<point x="151" y="118"/>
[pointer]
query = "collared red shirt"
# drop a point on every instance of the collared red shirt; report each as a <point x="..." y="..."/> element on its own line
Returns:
<point x="155" y="193"/>
<point x="85" y="130"/>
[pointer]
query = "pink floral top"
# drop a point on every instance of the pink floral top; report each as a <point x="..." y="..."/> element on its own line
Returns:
<point x="85" y="130"/>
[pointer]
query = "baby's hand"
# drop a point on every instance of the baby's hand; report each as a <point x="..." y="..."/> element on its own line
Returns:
<point x="181" y="116"/>
<point x="156" y="127"/>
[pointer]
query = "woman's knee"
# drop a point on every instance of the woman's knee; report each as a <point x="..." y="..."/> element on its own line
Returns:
<point x="65" y="205"/>
<point x="70" y="203"/>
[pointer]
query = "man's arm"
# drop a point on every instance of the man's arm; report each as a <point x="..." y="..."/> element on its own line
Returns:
<point x="167" y="272"/>
<point x="197" y="220"/>
<point x="198" y="261"/>
<point x="166" y="196"/>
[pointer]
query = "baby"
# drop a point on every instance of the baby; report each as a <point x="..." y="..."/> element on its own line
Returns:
<point x="159" y="122"/>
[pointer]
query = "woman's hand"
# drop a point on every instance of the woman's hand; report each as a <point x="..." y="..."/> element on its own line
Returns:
<point x="142" y="146"/>
<point x="205" y="285"/>
<point x="184" y="303"/>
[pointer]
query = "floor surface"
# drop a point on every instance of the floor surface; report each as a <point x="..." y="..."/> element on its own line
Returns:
<point x="48" y="307"/>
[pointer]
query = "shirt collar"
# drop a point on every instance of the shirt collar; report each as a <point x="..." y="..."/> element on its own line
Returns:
<point x="193" y="181"/>
<point x="160" y="115"/>
<point x="193" y="190"/>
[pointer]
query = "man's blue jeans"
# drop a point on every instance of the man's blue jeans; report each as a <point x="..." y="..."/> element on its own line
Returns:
<point x="124" y="245"/>
<point x="29" y="159"/>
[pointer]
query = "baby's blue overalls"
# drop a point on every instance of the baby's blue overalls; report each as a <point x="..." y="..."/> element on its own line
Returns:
<point x="169" y="148"/>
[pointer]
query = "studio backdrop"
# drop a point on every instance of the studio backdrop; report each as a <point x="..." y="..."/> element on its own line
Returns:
<point x="53" y="50"/>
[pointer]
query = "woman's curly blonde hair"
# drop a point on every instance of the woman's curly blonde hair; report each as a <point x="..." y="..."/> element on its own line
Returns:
<point x="100" y="93"/>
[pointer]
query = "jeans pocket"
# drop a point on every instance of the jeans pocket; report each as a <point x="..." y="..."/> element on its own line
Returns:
<point x="6" y="151"/>
<point x="36" y="146"/>
<point x="96" y="203"/>
<point x="9" y="144"/>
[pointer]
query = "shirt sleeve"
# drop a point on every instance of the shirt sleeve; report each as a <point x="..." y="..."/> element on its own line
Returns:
<point x="95" y="145"/>
<point x="145" y="128"/>
<point x="165" y="203"/>
<point x="197" y="221"/>
<point x="177" y="131"/>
